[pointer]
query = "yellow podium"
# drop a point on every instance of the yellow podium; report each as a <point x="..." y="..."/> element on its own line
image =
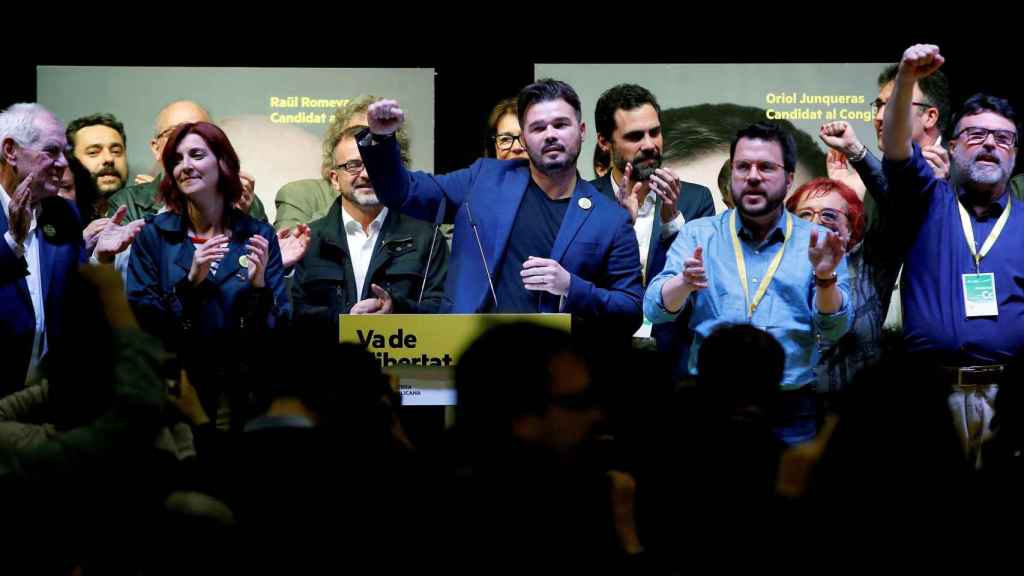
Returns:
<point x="422" y="349"/>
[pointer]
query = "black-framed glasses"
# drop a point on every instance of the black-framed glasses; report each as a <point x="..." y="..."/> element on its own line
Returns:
<point x="977" y="135"/>
<point x="353" y="167"/>
<point x="878" y="104"/>
<point x="765" y="168"/>
<point x="505" y="140"/>
<point x="167" y="131"/>
<point x="825" y="215"/>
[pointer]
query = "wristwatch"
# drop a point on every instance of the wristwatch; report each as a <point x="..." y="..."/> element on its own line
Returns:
<point x="825" y="282"/>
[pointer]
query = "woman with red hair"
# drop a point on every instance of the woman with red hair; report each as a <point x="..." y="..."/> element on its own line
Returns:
<point x="837" y="207"/>
<point x="203" y="276"/>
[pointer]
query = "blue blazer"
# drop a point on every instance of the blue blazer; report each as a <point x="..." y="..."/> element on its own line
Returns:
<point x="211" y="323"/>
<point x="596" y="243"/>
<point x="60" y="254"/>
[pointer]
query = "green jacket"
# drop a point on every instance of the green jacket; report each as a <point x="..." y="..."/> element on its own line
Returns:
<point x="302" y="202"/>
<point x="141" y="202"/>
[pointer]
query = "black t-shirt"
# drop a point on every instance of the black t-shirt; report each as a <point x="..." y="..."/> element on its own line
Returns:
<point x="533" y="234"/>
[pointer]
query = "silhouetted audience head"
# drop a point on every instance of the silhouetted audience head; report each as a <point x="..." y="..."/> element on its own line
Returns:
<point x="741" y="366"/>
<point x="526" y="382"/>
<point x="340" y="383"/>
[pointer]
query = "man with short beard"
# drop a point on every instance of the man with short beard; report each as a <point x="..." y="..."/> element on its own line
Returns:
<point x="628" y="123"/>
<point x="963" y="293"/>
<point x="362" y="257"/>
<point x="761" y="265"/>
<point x="530" y="234"/>
<point x="98" y="142"/>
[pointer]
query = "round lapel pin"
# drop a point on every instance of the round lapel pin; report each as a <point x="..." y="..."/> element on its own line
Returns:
<point x="49" y="231"/>
<point x="243" y="261"/>
<point x="585" y="203"/>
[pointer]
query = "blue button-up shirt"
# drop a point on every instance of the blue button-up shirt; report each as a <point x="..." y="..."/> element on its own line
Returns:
<point x="934" y="313"/>
<point x="788" y="310"/>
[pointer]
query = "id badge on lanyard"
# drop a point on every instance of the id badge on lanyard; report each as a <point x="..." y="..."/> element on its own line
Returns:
<point x="980" y="288"/>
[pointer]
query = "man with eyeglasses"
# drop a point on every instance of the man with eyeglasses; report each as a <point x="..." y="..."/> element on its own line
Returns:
<point x="930" y="114"/>
<point x="850" y="162"/>
<point x="42" y="239"/>
<point x="759" y="264"/>
<point x="963" y="294"/>
<point x="364" y="258"/>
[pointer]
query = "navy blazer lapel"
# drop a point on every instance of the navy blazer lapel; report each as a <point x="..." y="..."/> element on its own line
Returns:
<point x="499" y="212"/>
<point x="604" y="185"/>
<point x="580" y="207"/>
<point x="655" y="231"/>
<point x="46" y="258"/>
<point x="494" y="215"/>
<point x="21" y="283"/>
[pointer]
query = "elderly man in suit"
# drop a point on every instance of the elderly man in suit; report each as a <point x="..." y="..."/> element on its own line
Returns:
<point x="42" y="238"/>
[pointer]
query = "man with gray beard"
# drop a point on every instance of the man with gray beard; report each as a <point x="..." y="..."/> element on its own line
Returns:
<point x="963" y="293"/>
<point x="363" y="258"/>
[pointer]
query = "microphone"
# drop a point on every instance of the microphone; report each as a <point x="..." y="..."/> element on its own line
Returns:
<point x="487" y="269"/>
<point x="438" y="220"/>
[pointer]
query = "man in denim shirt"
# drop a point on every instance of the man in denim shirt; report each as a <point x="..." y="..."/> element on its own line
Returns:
<point x="759" y="264"/>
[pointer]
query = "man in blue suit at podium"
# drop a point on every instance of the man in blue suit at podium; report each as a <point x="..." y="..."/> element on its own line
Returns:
<point x="530" y="235"/>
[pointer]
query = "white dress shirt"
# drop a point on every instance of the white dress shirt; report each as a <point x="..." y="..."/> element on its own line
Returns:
<point x="644" y="225"/>
<point x="360" y="245"/>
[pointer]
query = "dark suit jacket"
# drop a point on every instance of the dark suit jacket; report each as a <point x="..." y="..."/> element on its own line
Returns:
<point x="60" y="253"/>
<point x="595" y="244"/>
<point x="324" y="284"/>
<point x="694" y="202"/>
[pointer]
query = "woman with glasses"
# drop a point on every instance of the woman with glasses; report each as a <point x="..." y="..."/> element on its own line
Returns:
<point x="203" y="276"/>
<point x="506" y="137"/>
<point x="837" y="207"/>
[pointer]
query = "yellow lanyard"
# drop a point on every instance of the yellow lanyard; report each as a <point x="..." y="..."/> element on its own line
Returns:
<point x="965" y="222"/>
<point x="741" y="264"/>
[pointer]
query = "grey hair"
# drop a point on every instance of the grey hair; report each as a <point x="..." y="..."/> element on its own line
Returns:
<point x="18" y="122"/>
